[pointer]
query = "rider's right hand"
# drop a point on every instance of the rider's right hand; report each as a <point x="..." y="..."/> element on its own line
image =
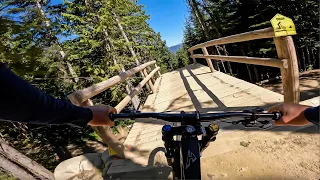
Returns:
<point x="292" y="114"/>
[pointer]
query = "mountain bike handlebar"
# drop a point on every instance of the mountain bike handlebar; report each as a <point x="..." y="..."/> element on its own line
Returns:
<point x="196" y="116"/>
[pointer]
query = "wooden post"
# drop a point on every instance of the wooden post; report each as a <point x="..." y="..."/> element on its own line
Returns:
<point x="106" y="135"/>
<point x="194" y="59"/>
<point x="152" y="78"/>
<point x="149" y="82"/>
<point x="205" y="52"/>
<point x="81" y="96"/>
<point x="290" y="76"/>
<point x="135" y="91"/>
<point x="155" y="66"/>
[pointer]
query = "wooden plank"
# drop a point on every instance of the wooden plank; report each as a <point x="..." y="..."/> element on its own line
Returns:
<point x="247" y="36"/>
<point x="248" y="60"/>
<point x="150" y="84"/>
<point x="159" y="73"/>
<point x="312" y="102"/>
<point x="157" y="83"/>
<point x="135" y="91"/>
<point x="234" y="93"/>
<point x="290" y="76"/>
<point x="81" y="96"/>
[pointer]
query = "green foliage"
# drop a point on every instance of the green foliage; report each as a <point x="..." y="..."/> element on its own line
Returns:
<point x="124" y="123"/>
<point x="228" y="17"/>
<point x="6" y="176"/>
<point x="182" y="57"/>
<point x="94" y="47"/>
<point x="93" y="136"/>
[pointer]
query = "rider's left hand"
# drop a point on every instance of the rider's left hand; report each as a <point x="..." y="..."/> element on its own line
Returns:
<point x="100" y="115"/>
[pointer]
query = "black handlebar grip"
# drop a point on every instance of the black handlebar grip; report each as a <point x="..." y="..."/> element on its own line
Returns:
<point x="111" y="117"/>
<point x="277" y="115"/>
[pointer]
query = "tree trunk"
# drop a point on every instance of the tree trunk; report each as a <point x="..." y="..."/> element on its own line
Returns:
<point x="199" y="16"/>
<point x="144" y="72"/>
<point x="205" y="30"/>
<point x="256" y="73"/>
<point x="109" y="47"/>
<point x="14" y="170"/>
<point x="104" y="132"/>
<point x="314" y="59"/>
<point x="18" y="158"/>
<point x="228" y="63"/>
<point x="308" y="57"/>
<point x="135" y="100"/>
<point x="247" y="65"/>
<point x="224" y="68"/>
<point x="299" y="59"/>
<point x="62" y="53"/>
<point x="304" y="60"/>
<point x="249" y="72"/>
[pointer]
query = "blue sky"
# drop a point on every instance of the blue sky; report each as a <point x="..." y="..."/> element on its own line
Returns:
<point x="166" y="17"/>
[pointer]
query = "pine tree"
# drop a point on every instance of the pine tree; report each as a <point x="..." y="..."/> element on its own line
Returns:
<point x="229" y="17"/>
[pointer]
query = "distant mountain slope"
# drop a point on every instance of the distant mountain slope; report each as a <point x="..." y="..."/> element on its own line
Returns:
<point x="175" y="48"/>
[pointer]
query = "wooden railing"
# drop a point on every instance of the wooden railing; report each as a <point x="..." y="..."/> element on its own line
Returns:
<point x="287" y="61"/>
<point x="82" y="98"/>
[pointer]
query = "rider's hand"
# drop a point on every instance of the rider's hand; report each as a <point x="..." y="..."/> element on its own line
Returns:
<point x="100" y="115"/>
<point x="292" y="114"/>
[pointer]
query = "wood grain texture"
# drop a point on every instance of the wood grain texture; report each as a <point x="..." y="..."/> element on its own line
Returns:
<point x="272" y="62"/>
<point x="290" y="76"/>
<point x="159" y="73"/>
<point x="135" y="91"/>
<point x="191" y="88"/>
<point x="81" y="96"/>
<point x="247" y="36"/>
<point x="193" y="58"/>
<point x="14" y="169"/>
<point x="15" y="156"/>
<point x="105" y="133"/>
<point x="209" y="62"/>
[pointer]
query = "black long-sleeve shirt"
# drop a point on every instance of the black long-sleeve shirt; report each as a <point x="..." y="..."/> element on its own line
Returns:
<point x="312" y="114"/>
<point x="23" y="102"/>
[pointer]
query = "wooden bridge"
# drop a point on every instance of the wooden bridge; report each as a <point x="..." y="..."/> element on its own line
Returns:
<point x="197" y="87"/>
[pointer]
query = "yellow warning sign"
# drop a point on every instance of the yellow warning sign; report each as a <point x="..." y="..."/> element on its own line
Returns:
<point x="111" y="151"/>
<point x="282" y="25"/>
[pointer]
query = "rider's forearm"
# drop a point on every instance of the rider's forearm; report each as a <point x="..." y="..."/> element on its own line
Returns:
<point x="312" y="115"/>
<point x="23" y="102"/>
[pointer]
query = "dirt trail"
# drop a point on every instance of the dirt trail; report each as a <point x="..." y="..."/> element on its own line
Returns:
<point x="269" y="155"/>
<point x="309" y="85"/>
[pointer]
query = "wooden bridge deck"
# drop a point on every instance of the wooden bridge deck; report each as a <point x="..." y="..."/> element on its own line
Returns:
<point x="195" y="88"/>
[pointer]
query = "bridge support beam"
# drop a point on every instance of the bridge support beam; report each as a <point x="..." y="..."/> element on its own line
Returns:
<point x="194" y="59"/>
<point x="290" y="76"/>
<point x="205" y="52"/>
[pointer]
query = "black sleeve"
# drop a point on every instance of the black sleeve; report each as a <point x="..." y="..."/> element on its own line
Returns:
<point x="23" y="102"/>
<point x="312" y="114"/>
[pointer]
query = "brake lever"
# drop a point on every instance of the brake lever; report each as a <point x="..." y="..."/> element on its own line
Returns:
<point x="247" y="123"/>
<point x="258" y="124"/>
